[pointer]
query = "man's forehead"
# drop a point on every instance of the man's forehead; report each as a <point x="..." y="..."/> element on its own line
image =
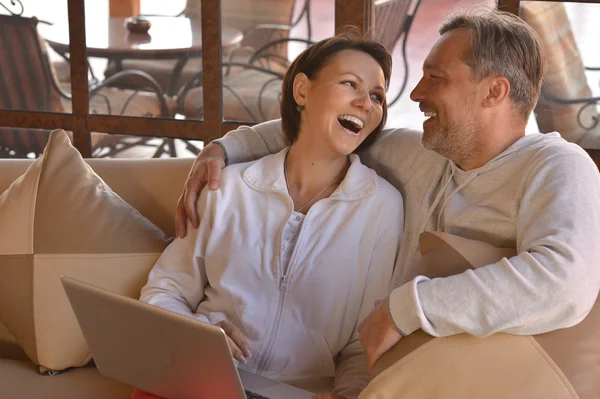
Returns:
<point x="448" y="51"/>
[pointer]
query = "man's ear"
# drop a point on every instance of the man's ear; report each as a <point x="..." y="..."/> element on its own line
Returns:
<point x="498" y="88"/>
<point x="301" y="87"/>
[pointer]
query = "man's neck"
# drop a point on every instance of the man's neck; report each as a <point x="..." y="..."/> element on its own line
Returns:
<point x="491" y="143"/>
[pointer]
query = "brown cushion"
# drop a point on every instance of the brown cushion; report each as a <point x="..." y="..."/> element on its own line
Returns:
<point x="564" y="77"/>
<point x="21" y="380"/>
<point x="242" y="97"/>
<point x="60" y="218"/>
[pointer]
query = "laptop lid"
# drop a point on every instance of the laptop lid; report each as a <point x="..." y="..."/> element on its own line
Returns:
<point x="158" y="351"/>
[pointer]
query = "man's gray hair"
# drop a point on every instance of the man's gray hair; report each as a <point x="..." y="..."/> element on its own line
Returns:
<point x="503" y="44"/>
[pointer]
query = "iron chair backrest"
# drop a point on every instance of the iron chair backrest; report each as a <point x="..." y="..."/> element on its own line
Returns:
<point x="393" y="19"/>
<point x="26" y="82"/>
<point x="247" y="15"/>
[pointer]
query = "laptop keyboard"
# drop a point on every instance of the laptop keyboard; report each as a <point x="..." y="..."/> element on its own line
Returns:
<point x="252" y="395"/>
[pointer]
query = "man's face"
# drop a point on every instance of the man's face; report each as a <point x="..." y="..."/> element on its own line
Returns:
<point x="448" y="96"/>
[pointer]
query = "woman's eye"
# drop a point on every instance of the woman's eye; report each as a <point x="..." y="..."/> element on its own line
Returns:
<point x="377" y="98"/>
<point x="349" y="83"/>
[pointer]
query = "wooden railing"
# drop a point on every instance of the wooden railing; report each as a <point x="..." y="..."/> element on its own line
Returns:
<point x="81" y="122"/>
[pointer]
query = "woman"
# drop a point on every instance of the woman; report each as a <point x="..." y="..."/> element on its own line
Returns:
<point x="294" y="249"/>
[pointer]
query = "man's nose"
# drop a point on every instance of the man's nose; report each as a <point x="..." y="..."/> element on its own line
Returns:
<point x="418" y="94"/>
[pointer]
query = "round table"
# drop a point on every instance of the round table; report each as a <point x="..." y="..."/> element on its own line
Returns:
<point x="168" y="38"/>
<point x="177" y="38"/>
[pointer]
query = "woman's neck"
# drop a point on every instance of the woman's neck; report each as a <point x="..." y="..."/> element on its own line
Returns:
<point x="309" y="170"/>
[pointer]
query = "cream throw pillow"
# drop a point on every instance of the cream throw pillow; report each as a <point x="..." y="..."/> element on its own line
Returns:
<point x="552" y="365"/>
<point x="60" y="218"/>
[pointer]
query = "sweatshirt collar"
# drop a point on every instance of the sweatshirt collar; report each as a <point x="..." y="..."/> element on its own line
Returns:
<point x="266" y="174"/>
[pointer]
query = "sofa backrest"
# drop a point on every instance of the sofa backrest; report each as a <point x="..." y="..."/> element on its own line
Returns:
<point x="152" y="186"/>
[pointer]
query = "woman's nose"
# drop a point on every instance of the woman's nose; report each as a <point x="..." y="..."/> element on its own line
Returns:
<point x="364" y="100"/>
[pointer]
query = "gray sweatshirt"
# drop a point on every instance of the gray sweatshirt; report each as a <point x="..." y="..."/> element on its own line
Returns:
<point x="540" y="196"/>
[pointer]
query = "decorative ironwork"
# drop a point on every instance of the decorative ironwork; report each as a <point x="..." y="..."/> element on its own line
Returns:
<point x="587" y="121"/>
<point x="13" y="3"/>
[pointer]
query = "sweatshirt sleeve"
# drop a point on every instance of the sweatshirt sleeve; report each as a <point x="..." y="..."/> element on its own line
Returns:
<point x="351" y="375"/>
<point x="551" y="283"/>
<point x="177" y="280"/>
<point x="247" y="144"/>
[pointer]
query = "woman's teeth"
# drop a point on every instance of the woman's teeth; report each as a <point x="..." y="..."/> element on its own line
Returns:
<point x="352" y="123"/>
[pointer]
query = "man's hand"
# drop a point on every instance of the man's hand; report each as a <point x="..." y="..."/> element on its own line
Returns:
<point x="328" y="395"/>
<point x="377" y="333"/>
<point x="206" y="168"/>
<point x="237" y="342"/>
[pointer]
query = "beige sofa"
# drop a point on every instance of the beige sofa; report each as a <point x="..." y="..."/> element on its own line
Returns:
<point x="152" y="186"/>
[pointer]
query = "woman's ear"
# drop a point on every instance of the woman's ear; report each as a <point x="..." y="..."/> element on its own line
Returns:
<point x="301" y="87"/>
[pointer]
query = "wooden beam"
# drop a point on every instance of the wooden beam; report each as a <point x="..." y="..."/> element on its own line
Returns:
<point x="356" y="13"/>
<point x="123" y="8"/>
<point x="36" y="120"/>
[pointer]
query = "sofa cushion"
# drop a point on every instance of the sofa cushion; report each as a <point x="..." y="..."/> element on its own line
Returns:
<point x="21" y="380"/>
<point x="9" y="348"/>
<point x="564" y="363"/>
<point x="60" y="218"/>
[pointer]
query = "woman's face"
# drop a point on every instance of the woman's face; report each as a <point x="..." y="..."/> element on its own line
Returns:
<point x="343" y="104"/>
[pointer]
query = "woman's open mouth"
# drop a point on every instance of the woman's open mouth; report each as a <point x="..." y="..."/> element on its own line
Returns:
<point x="351" y="124"/>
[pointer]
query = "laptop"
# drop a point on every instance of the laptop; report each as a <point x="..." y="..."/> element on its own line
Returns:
<point x="162" y="352"/>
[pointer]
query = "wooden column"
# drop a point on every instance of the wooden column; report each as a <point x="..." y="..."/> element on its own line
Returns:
<point x="211" y="68"/>
<point x="123" y="8"/>
<point x="511" y="6"/>
<point x="79" y="77"/>
<point x="353" y="12"/>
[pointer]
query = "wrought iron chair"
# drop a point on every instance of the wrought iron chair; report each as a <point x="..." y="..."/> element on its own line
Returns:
<point x="252" y="90"/>
<point x="566" y="103"/>
<point x="28" y="82"/>
<point x="393" y="20"/>
<point x="261" y="21"/>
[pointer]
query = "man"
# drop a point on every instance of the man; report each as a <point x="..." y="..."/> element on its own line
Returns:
<point x="473" y="173"/>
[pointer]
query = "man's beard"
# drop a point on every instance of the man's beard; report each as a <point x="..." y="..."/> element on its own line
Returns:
<point x="457" y="141"/>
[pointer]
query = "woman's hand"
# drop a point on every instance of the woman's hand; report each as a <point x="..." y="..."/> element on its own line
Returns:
<point x="240" y="350"/>
<point x="206" y="168"/>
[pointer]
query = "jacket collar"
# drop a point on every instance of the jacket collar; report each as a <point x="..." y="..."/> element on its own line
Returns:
<point x="266" y="174"/>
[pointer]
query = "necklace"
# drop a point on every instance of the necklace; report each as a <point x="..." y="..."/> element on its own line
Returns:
<point x="319" y="193"/>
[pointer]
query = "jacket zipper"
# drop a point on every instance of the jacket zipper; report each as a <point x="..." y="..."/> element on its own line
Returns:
<point x="261" y="366"/>
<point x="269" y="347"/>
<point x="282" y="287"/>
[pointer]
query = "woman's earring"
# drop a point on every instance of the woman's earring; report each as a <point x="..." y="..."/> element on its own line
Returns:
<point x="300" y="108"/>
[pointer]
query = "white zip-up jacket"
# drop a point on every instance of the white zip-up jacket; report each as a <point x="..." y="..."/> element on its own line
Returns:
<point x="302" y="325"/>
